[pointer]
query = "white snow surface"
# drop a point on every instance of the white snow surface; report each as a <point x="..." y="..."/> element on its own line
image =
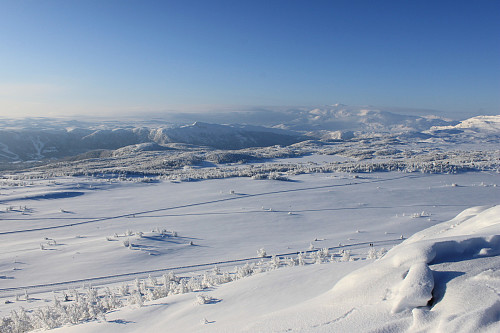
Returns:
<point x="445" y="277"/>
<point x="480" y="124"/>
<point x="439" y="280"/>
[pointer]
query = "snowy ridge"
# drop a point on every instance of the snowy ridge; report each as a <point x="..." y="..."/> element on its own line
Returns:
<point x="326" y="117"/>
<point x="479" y="125"/>
<point x="229" y="137"/>
<point x="363" y="119"/>
<point x="30" y="144"/>
<point x="37" y="138"/>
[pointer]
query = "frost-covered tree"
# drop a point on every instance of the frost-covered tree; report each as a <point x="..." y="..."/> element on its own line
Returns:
<point x="372" y="253"/>
<point x="346" y="255"/>
<point x="381" y="253"/>
<point x="301" y="258"/>
<point x="275" y="262"/>
<point x="136" y="298"/>
<point x="244" y="271"/>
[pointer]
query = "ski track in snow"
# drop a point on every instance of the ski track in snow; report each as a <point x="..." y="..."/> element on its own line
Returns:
<point x="240" y="196"/>
<point x="224" y="213"/>
<point x="109" y="279"/>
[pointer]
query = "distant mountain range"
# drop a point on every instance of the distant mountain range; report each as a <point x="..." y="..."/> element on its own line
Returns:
<point x="45" y="138"/>
<point x="31" y="144"/>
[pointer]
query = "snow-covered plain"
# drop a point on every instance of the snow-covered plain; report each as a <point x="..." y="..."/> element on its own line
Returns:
<point x="81" y="224"/>
<point x="181" y="238"/>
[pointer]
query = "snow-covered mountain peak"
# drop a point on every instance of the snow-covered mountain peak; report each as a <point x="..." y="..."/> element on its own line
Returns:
<point x="480" y="124"/>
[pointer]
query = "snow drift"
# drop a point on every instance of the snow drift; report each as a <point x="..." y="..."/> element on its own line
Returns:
<point x="445" y="279"/>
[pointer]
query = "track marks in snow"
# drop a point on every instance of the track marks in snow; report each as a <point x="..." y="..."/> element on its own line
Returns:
<point x="108" y="279"/>
<point x="333" y="321"/>
<point x="336" y="320"/>
<point x="240" y="197"/>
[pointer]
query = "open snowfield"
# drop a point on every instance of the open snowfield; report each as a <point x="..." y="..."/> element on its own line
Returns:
<point x="75" y="229"/>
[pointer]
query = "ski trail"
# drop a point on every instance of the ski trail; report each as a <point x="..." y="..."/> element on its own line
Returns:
<point x="243" y="196"/>
<point x="108" y="279"/>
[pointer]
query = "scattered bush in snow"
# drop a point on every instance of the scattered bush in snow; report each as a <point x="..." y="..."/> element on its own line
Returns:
<point x="86" y="306"/>
<point x="381" y="253"/>
<point x="243" y="271"/>
<point x="301" y="258"/>
<point x="152" y="280"/>
<point x="136" y="298"/>
<point x="277" y="176"/>
<point x="290" y="262"/>
<point x="204" y="299"/>
<point x="124" y="289"/>
<point x="275" y="262"/>
<point x="346" y="255"/>
<point x="91" y="305"/>
<point x="421" y="214"/>
<point x="320" y="256"/>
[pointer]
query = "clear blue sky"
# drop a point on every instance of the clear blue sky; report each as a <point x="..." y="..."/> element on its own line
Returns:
<point x="88" y="56"/>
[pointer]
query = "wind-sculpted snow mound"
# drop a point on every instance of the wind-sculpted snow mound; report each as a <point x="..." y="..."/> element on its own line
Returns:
<point x="416" y="288"/>
<point x="444" y="278"/>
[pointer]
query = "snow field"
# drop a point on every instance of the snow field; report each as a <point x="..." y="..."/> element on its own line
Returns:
<point x="227" y="219"/>
<point x="464" y="297"/>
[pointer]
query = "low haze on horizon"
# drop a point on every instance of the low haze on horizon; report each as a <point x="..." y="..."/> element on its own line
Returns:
<point x="106" y="57"/>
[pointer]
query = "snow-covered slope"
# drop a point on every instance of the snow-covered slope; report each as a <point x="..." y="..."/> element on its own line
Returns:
<point x="55" y="231"/>
<point x="480" y="127"/>
<point x="477" y="130"/>
<point x="228" y="137"/>
<point x="443" y="279"/>
<point x="485" y="125"/>
<point x="31" y="144"/>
